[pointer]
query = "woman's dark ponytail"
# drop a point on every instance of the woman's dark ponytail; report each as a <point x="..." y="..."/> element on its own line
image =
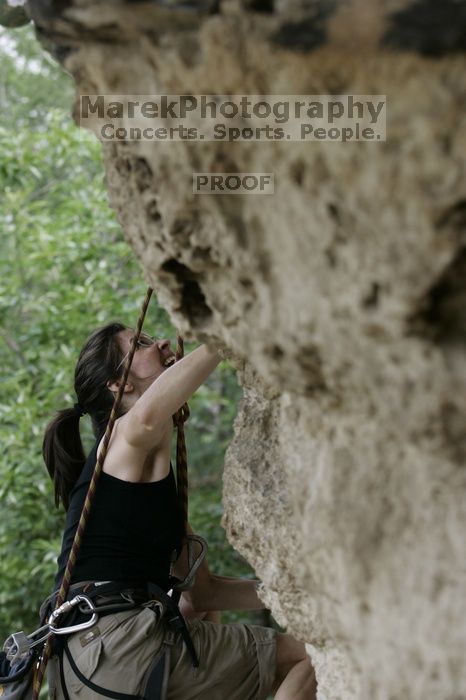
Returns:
<point x="63" y="453"/>
<point x="62" y="449"/>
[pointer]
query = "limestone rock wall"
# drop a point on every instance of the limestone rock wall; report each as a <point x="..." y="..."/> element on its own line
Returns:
<point x="341" y="299"/>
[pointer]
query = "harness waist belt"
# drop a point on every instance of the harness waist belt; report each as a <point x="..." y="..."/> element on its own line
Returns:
<point x="115" y="596"/>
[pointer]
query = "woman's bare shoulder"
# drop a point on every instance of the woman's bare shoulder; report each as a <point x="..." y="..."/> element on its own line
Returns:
<point x="131" y="463"/>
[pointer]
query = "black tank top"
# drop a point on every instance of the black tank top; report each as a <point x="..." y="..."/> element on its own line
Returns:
<point x="132" y="530"/>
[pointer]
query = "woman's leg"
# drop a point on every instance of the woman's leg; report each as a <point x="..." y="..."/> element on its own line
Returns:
<point x="190" y="614"/>
<point x="212" y="617"/>
<point x="295" y="678"/>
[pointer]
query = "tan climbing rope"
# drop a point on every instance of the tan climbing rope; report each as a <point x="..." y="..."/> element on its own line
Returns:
<point x="181" y="458"/>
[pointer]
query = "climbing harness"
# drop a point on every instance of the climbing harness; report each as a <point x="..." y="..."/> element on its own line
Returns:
<point x="24" y="658"/>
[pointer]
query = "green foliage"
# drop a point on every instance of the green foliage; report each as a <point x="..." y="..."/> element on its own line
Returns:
<point x="12" y="16"/>
<point x="65" y="269"/>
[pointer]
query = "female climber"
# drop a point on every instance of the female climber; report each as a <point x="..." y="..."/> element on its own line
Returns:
<point x="133" y="529"/>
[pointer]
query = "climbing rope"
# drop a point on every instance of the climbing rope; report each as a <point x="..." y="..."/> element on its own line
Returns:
<point x="179" y="418"/>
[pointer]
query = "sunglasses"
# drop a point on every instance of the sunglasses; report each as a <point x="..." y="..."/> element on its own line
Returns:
<point x="144" y="341"/>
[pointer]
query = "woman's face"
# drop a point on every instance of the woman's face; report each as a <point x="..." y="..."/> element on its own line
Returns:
<point x="151" y="358"/>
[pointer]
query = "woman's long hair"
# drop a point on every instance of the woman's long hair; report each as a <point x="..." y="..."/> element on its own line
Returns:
<point x="62" y="448"/>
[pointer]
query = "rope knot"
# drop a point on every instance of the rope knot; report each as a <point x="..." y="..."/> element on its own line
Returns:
<point x="181" y="416"/>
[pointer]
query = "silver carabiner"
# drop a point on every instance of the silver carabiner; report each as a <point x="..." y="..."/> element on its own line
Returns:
<point x="18" y="645"/>
<point x="193" y="563"/>
<point x="66" y="607"/>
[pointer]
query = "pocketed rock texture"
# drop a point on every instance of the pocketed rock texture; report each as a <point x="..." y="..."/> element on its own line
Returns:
<point x="341" y="299"/>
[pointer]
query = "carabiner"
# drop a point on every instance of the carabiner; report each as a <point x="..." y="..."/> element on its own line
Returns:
<point x="66" y="607"/>
<point x="46" y="634"/>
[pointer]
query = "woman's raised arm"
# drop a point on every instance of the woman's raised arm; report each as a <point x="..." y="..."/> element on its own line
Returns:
<point x="145" y="423"/>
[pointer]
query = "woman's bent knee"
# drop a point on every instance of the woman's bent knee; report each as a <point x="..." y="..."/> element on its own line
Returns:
<point x="295" y="676"/>
<point x="289" y="653"/>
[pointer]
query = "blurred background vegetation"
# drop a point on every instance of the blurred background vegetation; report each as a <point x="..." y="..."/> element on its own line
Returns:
<point x="65" y="269"/>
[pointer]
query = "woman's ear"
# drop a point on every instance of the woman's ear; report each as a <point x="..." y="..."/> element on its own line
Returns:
<point x="115" y="386"/>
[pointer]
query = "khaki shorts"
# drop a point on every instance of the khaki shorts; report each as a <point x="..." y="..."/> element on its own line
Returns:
<point x="237" y="662"/>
